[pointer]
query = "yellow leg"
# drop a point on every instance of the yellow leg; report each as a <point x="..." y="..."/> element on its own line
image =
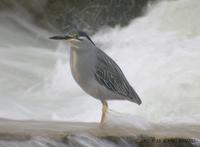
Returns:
<point x="104" y="111"/>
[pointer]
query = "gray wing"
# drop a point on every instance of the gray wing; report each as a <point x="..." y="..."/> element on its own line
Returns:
<point x="110" y="76"/>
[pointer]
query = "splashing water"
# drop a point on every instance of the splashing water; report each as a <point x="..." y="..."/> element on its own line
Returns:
<point x="159" y="54"/>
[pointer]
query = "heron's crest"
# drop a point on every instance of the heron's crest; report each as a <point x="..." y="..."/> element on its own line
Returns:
<point x="83" y="34"/>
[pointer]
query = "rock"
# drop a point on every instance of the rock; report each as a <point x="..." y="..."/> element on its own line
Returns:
<point x="27" y="133"/>
<point x="67" y="14"/>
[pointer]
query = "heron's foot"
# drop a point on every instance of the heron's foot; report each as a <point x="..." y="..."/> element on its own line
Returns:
<point x="104" y="112"/>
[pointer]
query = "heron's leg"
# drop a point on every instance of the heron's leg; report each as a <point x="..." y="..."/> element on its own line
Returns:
<point x="104" y="111"/>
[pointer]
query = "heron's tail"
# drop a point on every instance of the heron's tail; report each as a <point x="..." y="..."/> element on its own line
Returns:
<point x="134" y="97"/>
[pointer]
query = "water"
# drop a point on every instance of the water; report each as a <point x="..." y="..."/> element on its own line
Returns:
<point x="159" y="54"/>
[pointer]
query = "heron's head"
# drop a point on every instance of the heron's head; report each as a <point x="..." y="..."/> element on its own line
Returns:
<point x="75" y="39"/>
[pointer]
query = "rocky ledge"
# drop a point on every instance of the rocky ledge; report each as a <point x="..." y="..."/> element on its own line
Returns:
<point x="82" y="134"/>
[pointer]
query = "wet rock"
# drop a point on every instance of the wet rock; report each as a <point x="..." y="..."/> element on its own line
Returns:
<point x="67" y="14"/>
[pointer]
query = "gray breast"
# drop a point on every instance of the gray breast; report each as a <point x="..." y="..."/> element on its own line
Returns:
<point x="82" y="67"/>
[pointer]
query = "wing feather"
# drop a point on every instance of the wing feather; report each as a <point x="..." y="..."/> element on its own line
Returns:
<point x="110" y="76"/>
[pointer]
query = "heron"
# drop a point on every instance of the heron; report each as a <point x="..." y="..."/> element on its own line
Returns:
<point x="96" y="72"/>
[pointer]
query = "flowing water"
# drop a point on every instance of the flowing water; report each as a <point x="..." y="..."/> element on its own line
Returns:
<point x="159" y="53"/>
